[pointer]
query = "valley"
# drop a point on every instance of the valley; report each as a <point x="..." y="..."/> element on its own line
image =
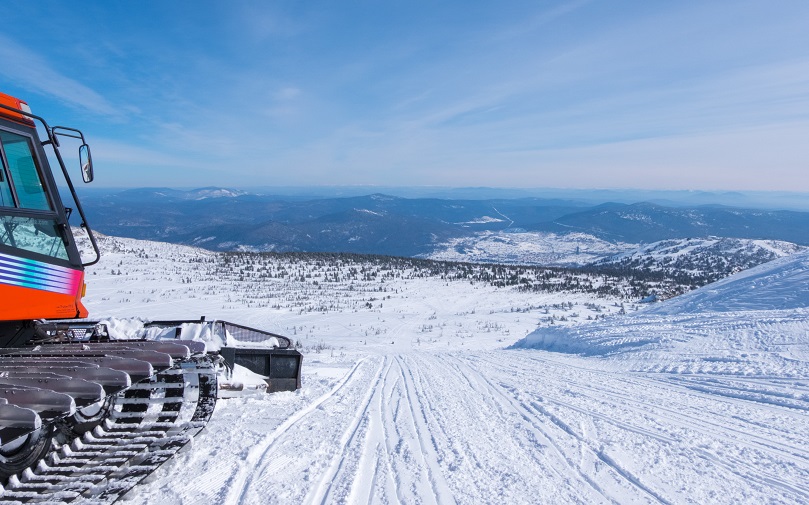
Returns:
<point x="428" y="382"/>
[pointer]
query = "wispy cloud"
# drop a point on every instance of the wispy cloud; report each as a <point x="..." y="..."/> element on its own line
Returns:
<point x="565" y="93"/>
<point x="28" y="69"/>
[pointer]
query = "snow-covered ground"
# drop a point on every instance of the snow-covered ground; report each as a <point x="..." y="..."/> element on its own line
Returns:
<point x="421" y="395"/>
<point x="710" y="258"/>
<point x="708" y="255"/>
<point x="529" y="248"/>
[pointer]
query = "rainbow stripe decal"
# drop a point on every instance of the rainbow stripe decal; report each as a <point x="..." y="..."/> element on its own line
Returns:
<point x="38" y="275"/>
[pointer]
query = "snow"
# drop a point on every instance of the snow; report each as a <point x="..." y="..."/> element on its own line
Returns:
<point x="780" y="284"/>
<point x="528" y="248"/>
<point x="239" y="381"/>
<point x="516" y="246"/>
<point x="668" y="250"/>
<point x="368" y="211"/>
<point x="442" y="392"/>
<point x="755" y="322"/>
<point x="483" y="220"/>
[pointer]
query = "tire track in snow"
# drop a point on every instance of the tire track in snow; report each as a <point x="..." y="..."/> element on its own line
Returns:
<point x="258" y="457"/>
<point x="701" y="421"/>
<point x="715" y="427"/>
<point x="719" y="430"/>
<point x="403" y="465"/>
<point x="384" y="454"/>
<point x="321" y="493"/>
<point x="683" y="416"/>
<point x="375" y="454"/>
<point x="732" y="464"/>
<point x="465" y="426"/>
<point x="420" y="428"/>
<point x="550" y="431"/>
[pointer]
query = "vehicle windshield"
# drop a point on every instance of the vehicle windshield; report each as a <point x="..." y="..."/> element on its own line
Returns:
<point x="20" y="162"/>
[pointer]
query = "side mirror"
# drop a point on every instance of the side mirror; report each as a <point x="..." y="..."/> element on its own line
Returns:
<point x="86" y="162"/>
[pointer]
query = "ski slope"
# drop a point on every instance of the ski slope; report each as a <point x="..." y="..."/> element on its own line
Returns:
<point x="489" y="426"/>
<point x="695" y="400"/>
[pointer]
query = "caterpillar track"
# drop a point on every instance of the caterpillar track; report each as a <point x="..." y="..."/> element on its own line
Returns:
<point x="95" y="452"/>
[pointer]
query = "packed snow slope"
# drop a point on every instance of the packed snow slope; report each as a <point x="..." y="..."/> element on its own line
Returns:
<point x="702" y="399"/>
<point x="752" y="323"/>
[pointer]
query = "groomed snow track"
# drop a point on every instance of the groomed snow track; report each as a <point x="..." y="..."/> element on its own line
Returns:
<point x="106" y="414"/>
<point x="501" y="427"/>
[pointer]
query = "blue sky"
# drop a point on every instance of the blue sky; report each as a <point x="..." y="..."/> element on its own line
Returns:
<point x="574" y="94"/>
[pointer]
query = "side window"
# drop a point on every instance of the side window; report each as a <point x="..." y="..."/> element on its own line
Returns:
<point x="24" y="173"/>
<point x="5" y="191"/>
<point x="6" y="200"/>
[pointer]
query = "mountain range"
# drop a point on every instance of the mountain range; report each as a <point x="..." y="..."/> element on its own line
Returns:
<point x="223" y="219"/>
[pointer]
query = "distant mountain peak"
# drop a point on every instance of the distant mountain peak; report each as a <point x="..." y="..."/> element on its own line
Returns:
<point x="380" y="197"/>
<point x="213" y="192"/>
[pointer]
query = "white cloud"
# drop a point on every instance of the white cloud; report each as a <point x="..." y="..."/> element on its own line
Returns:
<point x="29" y="70"/>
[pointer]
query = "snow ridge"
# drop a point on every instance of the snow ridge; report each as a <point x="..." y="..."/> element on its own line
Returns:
<point x="754" y="322"/>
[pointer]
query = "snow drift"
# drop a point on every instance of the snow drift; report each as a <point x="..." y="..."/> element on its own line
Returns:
<point x="763" y="311"/>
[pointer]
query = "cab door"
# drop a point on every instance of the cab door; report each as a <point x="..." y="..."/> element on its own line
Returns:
<point x="39" y="277"/>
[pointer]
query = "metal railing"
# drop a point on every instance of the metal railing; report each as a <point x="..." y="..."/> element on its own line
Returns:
<point x="237" y="331"/>
<point x="248" y="334"/>
<point x="82" y="331"/>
